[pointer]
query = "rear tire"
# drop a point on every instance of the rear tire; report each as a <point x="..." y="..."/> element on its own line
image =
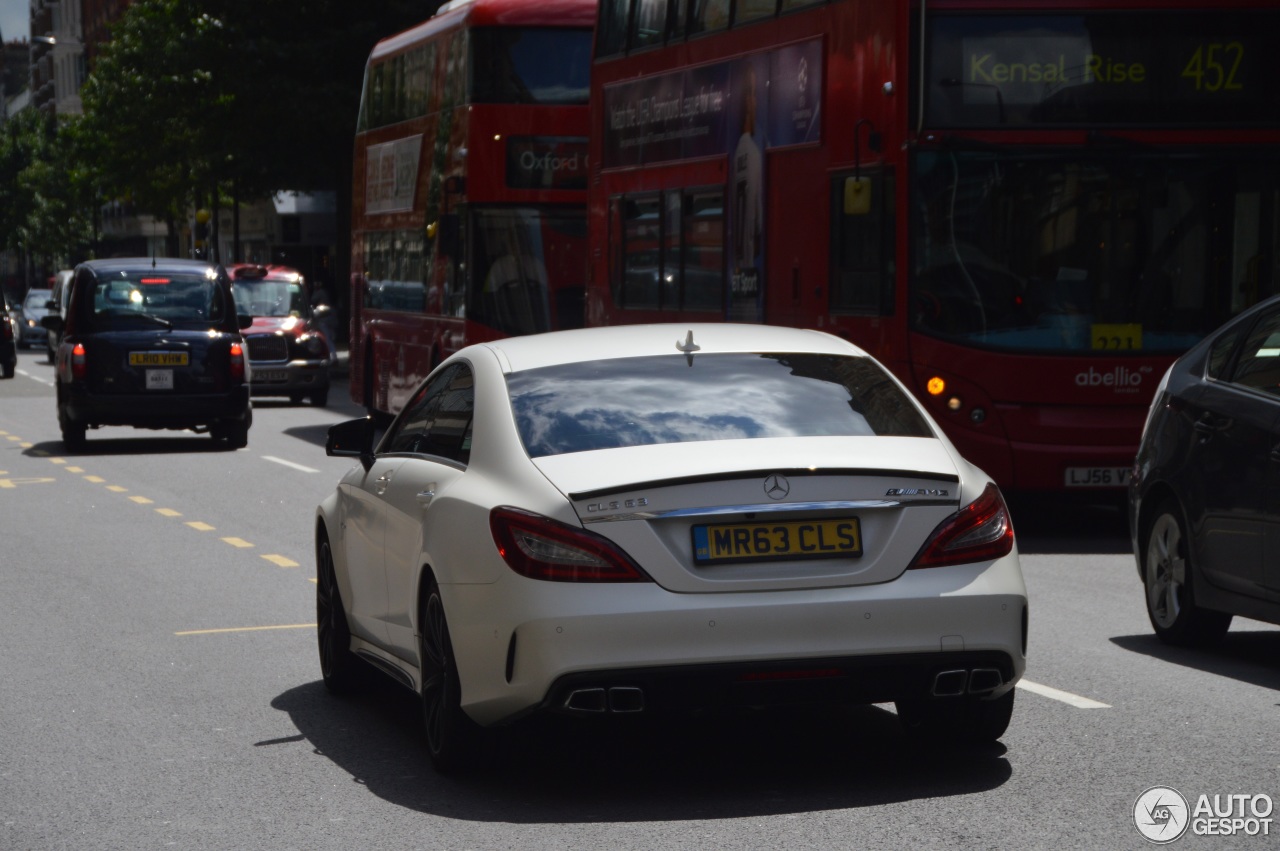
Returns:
<point x="9" y="369"/>
<point x="320" y="399"/>
<point x="1168" y="579"/>
<point x="454" y="741"/>
<point x="73" y="433"/>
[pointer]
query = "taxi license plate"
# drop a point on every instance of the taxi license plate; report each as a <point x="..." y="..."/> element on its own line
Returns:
<point x="157" y="358"/>
<point x="1097" y="477"/>
<point x="791" y="539"/>
<point x="159" y="379"/>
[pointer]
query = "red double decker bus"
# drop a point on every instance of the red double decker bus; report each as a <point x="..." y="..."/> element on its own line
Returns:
<point x="1026" y="209"/>
<point x="469" y="204"/>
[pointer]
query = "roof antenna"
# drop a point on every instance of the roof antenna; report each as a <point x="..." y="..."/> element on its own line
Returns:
<point x="688" y="347"/>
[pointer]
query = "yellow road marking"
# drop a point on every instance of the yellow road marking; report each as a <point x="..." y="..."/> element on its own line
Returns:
<point x="117" y="489"/>
<point x="168" y="512"/>
<point x="57" y="460"/>
<point x="13" y="483"/>
<point x="25" y="445"/>
<point x="281" y="561"/>
<point x="245" y="629"/>
<point x="75" y="470"/>
<point x="14" y="438"/>
<point x="237" y="542"/>
<point x="142" y="500"/>
<point x="200" y="527"/>
<point x="40" y="453"/>
<point x="97" y="480"/>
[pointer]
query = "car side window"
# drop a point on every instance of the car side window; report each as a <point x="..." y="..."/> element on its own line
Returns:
<point x="1258" y="366"/>
<point x="437" y="421"/>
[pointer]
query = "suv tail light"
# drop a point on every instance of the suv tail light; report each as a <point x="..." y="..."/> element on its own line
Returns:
<point x="980" y="531"/>
<point x="541" y="548"/>
<point x="237" y="362"/>
<point x="79" y="369"/>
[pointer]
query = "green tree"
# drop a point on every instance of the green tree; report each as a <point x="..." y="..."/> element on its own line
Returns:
<point x="46" y="193"/>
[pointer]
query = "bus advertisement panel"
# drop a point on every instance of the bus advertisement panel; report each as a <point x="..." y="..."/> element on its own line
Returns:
<point x="1027" y="210"/>
<point x="469" y="207"/>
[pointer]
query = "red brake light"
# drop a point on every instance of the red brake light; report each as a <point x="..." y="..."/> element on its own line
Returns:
<point x="78" y="368"/>
<point x="541" y="548"/>
<point x="980" y="531"/>
<point x="237" y="361"/>
<point x="153" y="281"/>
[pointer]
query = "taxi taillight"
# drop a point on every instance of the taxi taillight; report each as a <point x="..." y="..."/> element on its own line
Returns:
<point x="78" y="368"/>
<point x="237" y="361"/>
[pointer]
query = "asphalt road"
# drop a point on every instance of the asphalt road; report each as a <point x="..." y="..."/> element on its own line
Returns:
<point x="159" y="688"/>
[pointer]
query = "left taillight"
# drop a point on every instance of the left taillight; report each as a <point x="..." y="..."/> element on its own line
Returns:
<point x="981" y="531"/>
<point x="541" y="548"/>
<point x="237" y="362"/>
<point x="79" y="368"/>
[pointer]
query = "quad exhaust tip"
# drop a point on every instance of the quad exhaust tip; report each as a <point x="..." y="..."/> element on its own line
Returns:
<point x="958" y="682"/>
<point x="619" y="700"/>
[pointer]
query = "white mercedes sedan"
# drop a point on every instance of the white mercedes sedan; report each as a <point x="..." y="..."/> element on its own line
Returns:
<point x="657" y="519"/>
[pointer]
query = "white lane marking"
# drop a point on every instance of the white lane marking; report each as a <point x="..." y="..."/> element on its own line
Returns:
<point x="25" y="374"/>
<point x="1065" y="696"/>
<point x="289" y="464"/>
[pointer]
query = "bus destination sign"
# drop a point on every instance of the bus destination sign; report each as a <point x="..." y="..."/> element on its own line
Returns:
<point x="1119" y="69"/>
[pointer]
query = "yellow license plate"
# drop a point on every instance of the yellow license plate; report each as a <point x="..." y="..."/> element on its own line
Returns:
<point x="157" y="358"/>
<point x="791" y="539"/>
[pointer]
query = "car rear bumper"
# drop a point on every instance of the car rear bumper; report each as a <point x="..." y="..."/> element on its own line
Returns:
<point x="863" y="644"/>
<point x="156" y="411"/>
<point x="298" y="377"/>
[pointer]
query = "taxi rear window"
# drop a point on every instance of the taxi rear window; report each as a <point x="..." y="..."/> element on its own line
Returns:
<point x="674" y="399"/>
<point x="133" y="298"/>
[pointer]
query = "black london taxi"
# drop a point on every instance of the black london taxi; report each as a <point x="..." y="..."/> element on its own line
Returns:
<point x="152" y="343"/>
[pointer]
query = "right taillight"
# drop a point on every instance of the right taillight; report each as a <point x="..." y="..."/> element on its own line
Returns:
<point x="541" y="548"/>
<point x="78" y="367"/>
<point x="981" y="531"/>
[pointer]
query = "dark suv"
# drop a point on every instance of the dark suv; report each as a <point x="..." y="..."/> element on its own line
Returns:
<point x="152" y="343"/>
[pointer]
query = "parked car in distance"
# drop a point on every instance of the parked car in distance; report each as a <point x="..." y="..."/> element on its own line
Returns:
<point x="151" y="343"/>
<point x="58" y="304"/>
<point x="656" y="519"/>
<point x="35" y="306"/>
<point x="1204" y="498"/>
<point x="9" y="334"/>
<point x="288" y="355"/>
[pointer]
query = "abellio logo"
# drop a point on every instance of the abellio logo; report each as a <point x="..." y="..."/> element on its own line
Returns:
<point x="1120" y="377"/>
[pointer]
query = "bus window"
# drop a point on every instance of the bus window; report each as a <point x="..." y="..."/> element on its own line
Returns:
<point x="512" y="65"/>
<point x="754" y="10"/>
<point x="703" y="243"/>
<point x="708" y="15"/>
<point x="862" y="244"/>
<point x="649" y="23"/>
<point x="641" y="229"/>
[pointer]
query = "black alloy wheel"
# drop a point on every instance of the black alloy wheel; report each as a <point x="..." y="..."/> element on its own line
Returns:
<point x="338" y="665"/>
<point x="453" y="739"/>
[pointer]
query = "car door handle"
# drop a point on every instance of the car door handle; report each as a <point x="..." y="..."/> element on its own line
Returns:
<point x="1209" y="425"/>
<point x="383" y="482"/>
<point x="425" y="497"/>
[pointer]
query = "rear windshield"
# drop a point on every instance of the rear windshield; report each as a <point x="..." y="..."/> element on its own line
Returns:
<point x="675" y="399"/>
<point x="139" y="299"/>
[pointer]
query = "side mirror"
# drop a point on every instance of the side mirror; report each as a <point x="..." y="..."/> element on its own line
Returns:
<point x="320" y="310"/>
<point x="52" y="305"/>
<point x="52" y="322"/>
<point x="352" y="439"/>
<point x="243" y="320"/>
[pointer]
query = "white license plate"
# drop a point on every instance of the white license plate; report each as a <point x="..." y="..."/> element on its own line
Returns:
<point x="159" y="379"/>
<point x="276" y="375"/>
<point x="1097" y="477"/>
